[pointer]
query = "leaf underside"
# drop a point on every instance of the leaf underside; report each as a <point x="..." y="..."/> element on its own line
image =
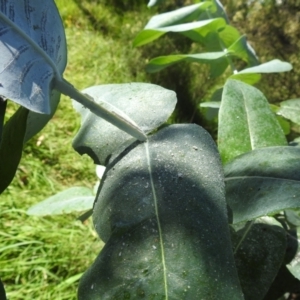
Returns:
<point x="25" y="75"/>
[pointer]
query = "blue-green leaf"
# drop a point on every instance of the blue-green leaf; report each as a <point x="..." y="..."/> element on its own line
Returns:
<point x="194" y="30"/>
<point x="162" y="213"/>
<point x="182" y="15"/>
<point x="33" y="52"/>
<point x="148" y="105"/>
<point x="290" y="109"/>
<point x="71" y="200"/>
<point x="246" y="121"/>
<point x="259" y="253"/>
<point x="273" y="66"/>
<point x="263" y="182"/>
<point x="159" y="63"/>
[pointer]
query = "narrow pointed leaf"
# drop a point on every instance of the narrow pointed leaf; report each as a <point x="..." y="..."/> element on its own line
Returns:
<point x="154" y="2"/>
<point x="71" y="200"/>
<point x="246" y="121"/>
<point x="99" y="138"/>
<point x="33" y="51"/>
<point x="182" y="15"/>
<point x="263" y="182"/>
<point x="273" y="66"/>
<point x="193" y="30"/>
<point x="249" y="78"/>
<point x="159" y="63"/>
<point x="11" y="146"/>
<point x="162" y="213"/>
<point x="290" y="109"/>
<point x="259" y="253"/>
<point x="211" y="104"/>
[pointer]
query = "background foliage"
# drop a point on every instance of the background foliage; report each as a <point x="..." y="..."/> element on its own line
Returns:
<point x="45" y="257"/>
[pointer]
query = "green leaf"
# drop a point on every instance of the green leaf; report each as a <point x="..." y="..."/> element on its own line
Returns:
<point x="263" y="182"/>
<point x="162" y="213"/>
<point x="259" y="253"/>
<point x="3" y="104"/>
<point x="182" y="15"/>
<point x="273" y="66"/>
<point x="71" y="200"/>
<point x="194" y="30"/>
<point x="294" y="265"/>
<point x="154" y="2"/>
<point x="33" y="52"/>
<point x="246" y="121"/>
<point x="250" y="78"/>
<point x="284" y="282"/>
<point x="99" y="138"/>
<point x="159" y="63"/>
<point x="11" y="146"/>
<point x="36" y="122"/>
<point x="290" y="109"/>
<point x="211" y="104"/>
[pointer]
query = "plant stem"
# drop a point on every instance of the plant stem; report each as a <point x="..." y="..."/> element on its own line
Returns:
<point x="112" y="116"/>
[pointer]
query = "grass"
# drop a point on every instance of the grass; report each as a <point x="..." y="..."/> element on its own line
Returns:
<point x="43" y="258"/>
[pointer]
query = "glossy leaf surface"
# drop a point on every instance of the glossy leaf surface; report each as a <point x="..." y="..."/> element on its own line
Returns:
<point x="290" y="109"/>
<point x="99" y="138"/>
<point x="11" y="146"/>
<point x="246" y="121"/>
<point x="162" y="213"/>
<point x="33" y="51"/>
<point x="71" y="200"/>
<point x="263" y="182"/>
<point x="259" y="254"/>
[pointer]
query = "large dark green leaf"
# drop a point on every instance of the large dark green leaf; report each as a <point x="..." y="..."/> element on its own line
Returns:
<point x="162" y="213"/>
<point x="263" y="182"/>
<point x="259" y="253"/>
<point x="11" y="146"/>
<point x="99" y="138"/>
<point x="246" y="121"/>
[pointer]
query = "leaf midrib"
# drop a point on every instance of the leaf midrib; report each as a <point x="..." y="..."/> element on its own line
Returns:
<point x="158" y="220"/>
